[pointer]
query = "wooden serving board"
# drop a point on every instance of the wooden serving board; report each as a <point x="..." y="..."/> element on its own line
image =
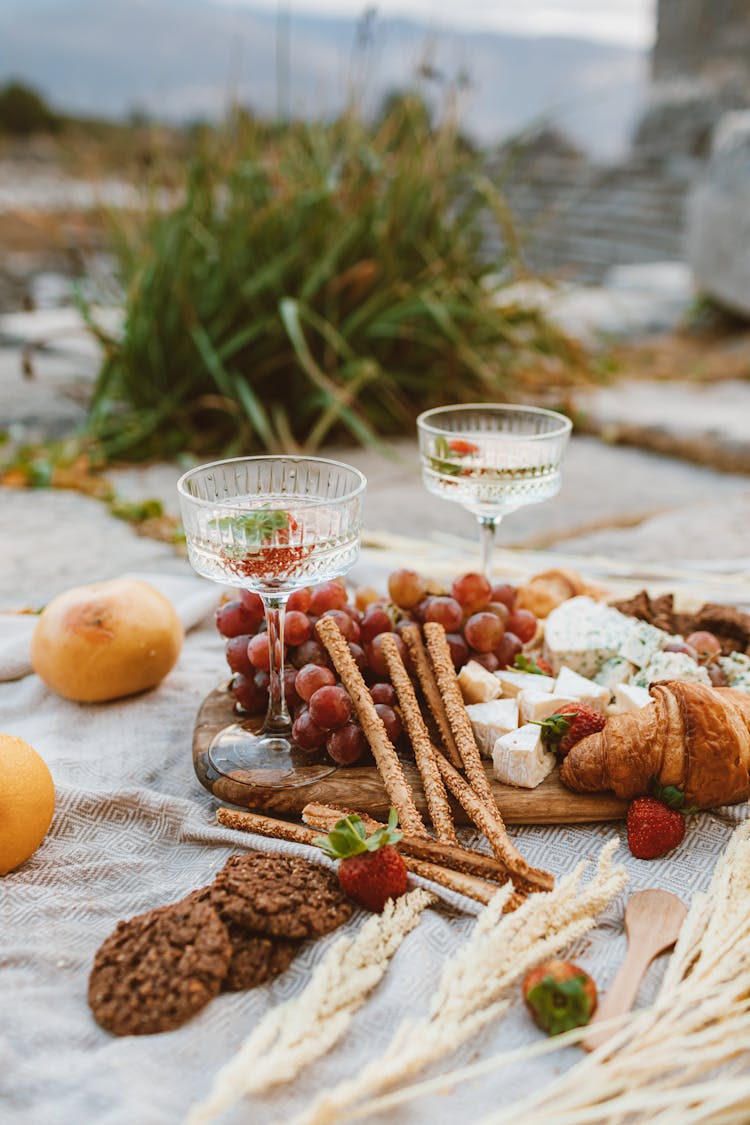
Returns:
<point x="361" y="788"/>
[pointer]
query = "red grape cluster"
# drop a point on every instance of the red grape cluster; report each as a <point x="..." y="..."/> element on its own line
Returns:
<point x="480" y="620"/>
<point x="320" y="705"/>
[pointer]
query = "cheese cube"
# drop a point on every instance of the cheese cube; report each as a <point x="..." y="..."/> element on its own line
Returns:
<point x="613" y="672"/>
<point x="736" y="668"/>
<point x="593" y="695"/>
<point x="630" y="697"/>
<point x="491" y="721"/>
<point x="642" y="643"/>
<point x="519" y="758"/>
<point x="672" y="666"/>
<point x="477" y="684"/>
<point x="513" y="682"/>
<point x="582" y="633"/>
<point x="533" y="706"/>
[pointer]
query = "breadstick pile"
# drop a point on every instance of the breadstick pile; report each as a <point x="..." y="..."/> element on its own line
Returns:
<point x="448" y="761"/>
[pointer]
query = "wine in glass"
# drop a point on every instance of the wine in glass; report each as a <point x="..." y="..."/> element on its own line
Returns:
<point x="492" y="459"/>
<point x="271" y="525"/>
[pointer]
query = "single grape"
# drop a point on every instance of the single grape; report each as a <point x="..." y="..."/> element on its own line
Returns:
<point x="311" y="652"/>
<point x="330" y="707"/>
<point x="488" y="660"/>
<point x="290" y="691"/>
<point x="707" y="645"/>
<point x="236" y="653"/>
<point x="383" y="693"/>
<point x="676" y="646"/>
<point x="349" y="629"/>
<point x="459" y="649"/>
<point x="258" y="651"/>
<point x="249" y="696"/>
<point x="306" y="732"/>
<point x="505" y="593"/>
<point x="310" y="678"/>
<point x="360" y="657"/>
<point x="253" y="603"/>
<point x="329" y="595"/>
<point x="376" y="656"/>
<point x="446" y="611"/>
<point x="376" y="620"/>
<point x="500" y="610"/>
<point x="353" y="612"/>
<point x="365" y="596"/>
<point x="232" y="619"/>
<point x="390" y="720"/>
<point x="347" y="744"/>
<point x="299" y="600"/>
<point x="297" y="627"/>
<point x="508" y="649"/>
<point x="472" y="591"/>
<point x="523" y="624"/>
<point x="406" y="587"/>
<point x="483" y="631"/>
<point x="716" y="674"/>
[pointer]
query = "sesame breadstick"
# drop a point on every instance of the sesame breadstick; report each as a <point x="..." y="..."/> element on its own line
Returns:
<point x="395" y="782"/>
<point x="478" y="889"/>
<point x="421" y="662"/>
<point x="455" y="709"/>
<point x="454" y="856"/>
<point x="490" y="823"/>
<point x="424" y="751"/>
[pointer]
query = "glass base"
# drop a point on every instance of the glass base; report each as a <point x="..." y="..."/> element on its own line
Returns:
<point x="265" y="761"/>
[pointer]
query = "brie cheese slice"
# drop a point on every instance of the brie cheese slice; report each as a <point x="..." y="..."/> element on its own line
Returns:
<point x="593" y="695"/>
<point x="491" y="721"/>
<point x="533" y="706"/>
<point x="477" y="684"/>
<point x="519" y="758"/>
<point x="513" y="682"/>
<point x="630" y="697"/>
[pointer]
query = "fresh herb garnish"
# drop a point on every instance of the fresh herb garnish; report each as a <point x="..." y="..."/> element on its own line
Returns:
<point x="527" y="664"/>
<point x="254" y="528"/>
<point x="443" y="461"/>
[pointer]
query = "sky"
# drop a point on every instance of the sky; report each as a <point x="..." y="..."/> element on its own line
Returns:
<point x="628" y="22"/>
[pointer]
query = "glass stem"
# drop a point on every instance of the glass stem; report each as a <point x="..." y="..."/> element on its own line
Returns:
<point x="277" y="716"/>
<point x="487" y="525"/>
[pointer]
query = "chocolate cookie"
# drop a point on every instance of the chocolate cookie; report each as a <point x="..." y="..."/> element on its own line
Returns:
<point x="158" y="969"/>
<point x="279" y="896"/>
<point x="256" y="959"/>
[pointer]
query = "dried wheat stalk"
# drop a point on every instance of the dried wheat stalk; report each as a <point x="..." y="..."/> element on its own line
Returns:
<point x="476" y="984"/>
<point x="294" y="1034"/>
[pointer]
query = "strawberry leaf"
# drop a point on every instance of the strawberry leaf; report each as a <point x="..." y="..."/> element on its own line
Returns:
<point x="560" y="1005"/>
<point x="349" y="837"/>
<point x="554" y="729"/>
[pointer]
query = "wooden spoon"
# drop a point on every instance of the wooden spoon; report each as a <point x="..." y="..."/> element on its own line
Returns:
<point x="652" y="922"/>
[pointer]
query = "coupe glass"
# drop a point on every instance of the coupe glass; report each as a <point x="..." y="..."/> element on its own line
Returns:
<point x="271" y="525"/>
<point x="492" y="460"/>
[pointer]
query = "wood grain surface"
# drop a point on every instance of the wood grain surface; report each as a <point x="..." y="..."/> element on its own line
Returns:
<point x="360" y="787"/>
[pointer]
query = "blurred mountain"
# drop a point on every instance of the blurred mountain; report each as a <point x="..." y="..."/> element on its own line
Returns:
<point x="187" y="59"/>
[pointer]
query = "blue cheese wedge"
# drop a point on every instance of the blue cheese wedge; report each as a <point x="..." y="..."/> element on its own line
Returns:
<point x="582" y="634"/>
<point x="514" y="682"/>
<point x="477" y="684"/>
<point x="671" y="666"/>
<point x="579" y="687"/>
<point x="643" y="642"/>
<point x="736" y="668"/>
<point x="613" y="672"/>
<point x="533" y="706"/>
<point x="491" y="721"/>
<point x="519" y="758"/>
<point x="630" y="697"/>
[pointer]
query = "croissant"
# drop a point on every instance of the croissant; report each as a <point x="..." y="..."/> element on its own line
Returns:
<point x="694" y="737"/>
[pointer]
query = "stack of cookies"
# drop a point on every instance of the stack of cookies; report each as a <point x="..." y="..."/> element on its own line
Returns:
<point x="160" y="968"/>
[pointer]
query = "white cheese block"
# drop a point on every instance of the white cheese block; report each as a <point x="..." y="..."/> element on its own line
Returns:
<point x="582" y="633"/>
<point x="613" y="672"/>
<point x="579" y="687"/>
<point x="513" y="682"/>
<point x="630" y="697"/>
<point x="671" y="666"/>
<point x="643" y="642"/>
<point x="519" y="758"/>
<point x="533" y="706"/>
<point x="477" y="684"/>
<point x="491" y="721"/>
<point x="736" y="668"/>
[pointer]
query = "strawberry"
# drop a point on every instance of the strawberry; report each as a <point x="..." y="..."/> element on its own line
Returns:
<point x="569" y="725"/>
<point x="559" y="996"/>
<point x="462" y="447"/>
<point x="656" y="824"/>
<point x="370" y="871"/>
<point x="536" y="665"/>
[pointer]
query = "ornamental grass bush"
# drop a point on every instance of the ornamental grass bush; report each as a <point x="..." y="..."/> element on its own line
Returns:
<point x="311" y="283"/>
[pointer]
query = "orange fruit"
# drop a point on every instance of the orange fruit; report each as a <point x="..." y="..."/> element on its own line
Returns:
<point x="27" y="801"/>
